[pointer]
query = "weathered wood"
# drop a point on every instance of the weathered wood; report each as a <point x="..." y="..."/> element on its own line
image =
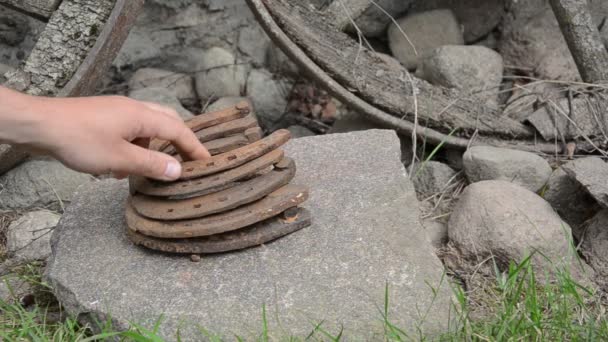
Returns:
<point x="272" y="205"/>
<point x="205" y="185"/>
<point x="205" y="120"/>
<point x="255" y="235"/>
<point x="246" y="192"/>
<point x="344" y="12"/>
<point x="42" y="8"/>
<point x="254" y="134"/>
<point x="361" y="71"/>
<point x="583" y="39"/>
<point x="232" y="159"/>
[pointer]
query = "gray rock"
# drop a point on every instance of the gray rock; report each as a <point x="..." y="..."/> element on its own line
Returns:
<point x="374" y="21"/>
<point x="519" y="167"/>
<point x="591" y="173"/>
<point x="39" y="183"/>
<point x="353" y="121"/>
<point x="29" y="237"/>
<point x="181" y="85"/>
<point x="278" y="63"/>
<point x="162" y="96"/>
<point x="219" y="74"/>
<point x="137" y="50"/>
<point x="4" y="68"/>
<point x="478" y="17"/>
<point x="569" y="199"/>
<point x="361" y="202"/>
<point x="224" y="102"/>
<point x="509" y="222"/>
<point x="432" y="177"/>
<point x="593" y="246"/>
<point x="471" y="68"/>
<point x="13" y="288"/>
<point x="299" y="131"/>
<point x="426" y="31"/>
<point x="254" y="43"/>
<point x="436" y="231"/>
<point x="269" y="95"/>
<point x="10" y="157"/>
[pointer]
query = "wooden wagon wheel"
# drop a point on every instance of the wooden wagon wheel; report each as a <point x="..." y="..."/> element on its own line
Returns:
<point x="314" y="39"/>
<point x="79" y="43"/>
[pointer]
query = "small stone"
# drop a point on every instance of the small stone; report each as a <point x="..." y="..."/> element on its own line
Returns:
<point x="224" y="102"/>
<point x="277" y="62"/>
<point x="13" y="288"/>
<point x="504" y="220"/>
<point x="592" y="174"/>
<point x="299" y="131"/>
<point x="269" y="95"/>
<point x="471" y="68"/>
<point x="39" y="183"/>
<point x="594" y="246"/>
<point x="10" y="157"/>
<point x="28" y="238"/>
<point x="195" y="258"/>
<point x="519" y="167"/>
<point x="432" y="177"/>
<point x="181" y="85"/>
<point x="219" y="74"/>
<point x="4" y="69"/>
<point x="162" y="96"/>
<point x="569" y="199"/>
<point x="137" y="49"/>
<point x="478" y="17"/>
<point x="374" y="21"/>
<point x="436" y="231"/>
<point x="254" y="43"/>
<point x="426" y="31"/>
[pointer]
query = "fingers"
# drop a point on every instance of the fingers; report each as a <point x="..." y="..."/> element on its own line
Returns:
<point x="136" y="160"/>
<point x="174" y="130"/>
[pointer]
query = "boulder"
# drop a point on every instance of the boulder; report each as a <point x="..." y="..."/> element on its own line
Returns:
<point x="592" y="174"/>
<point x="374" y="21"/>
<point x="519" y="167"/>
<point x="478" y="17"/>
<point x="504" y="220"/>
<point x="253" y="42"/>
<point x="219" y="74"/>
<point x="471" y="68"/>
<point x="432" y="177"/>
<point x="269" y="95"/>
<point x="365" y="238"/>
<point x="161" y="96"/>
<point x="569" y="199"/>
<point x="181" y="85"/>
<point x="594" y="246"/>
<point x="29" y="237"/>
<point x="277" y="62"/>
<point x="426" y="31"/>
<point x="39" y="183"/>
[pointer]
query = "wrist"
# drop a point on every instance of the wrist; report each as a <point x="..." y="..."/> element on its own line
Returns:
<point x="20" y="117"/>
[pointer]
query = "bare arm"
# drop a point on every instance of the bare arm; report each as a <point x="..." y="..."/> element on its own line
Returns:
<point x="98" y="134"/>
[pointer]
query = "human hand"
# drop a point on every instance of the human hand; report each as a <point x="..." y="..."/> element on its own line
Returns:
<point x="98" y="135"/>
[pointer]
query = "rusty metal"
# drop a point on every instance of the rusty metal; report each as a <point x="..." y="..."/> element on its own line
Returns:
<point x="232" y="159"/>
<point x="254" y="134"/>
<point x="272" y="205"/>
<point x="243" y="193"/>
<point x="205" y="185"/>
<point x="238" y="111"/>
<point x="222" y="130"/>
<point x="255" y="235"/>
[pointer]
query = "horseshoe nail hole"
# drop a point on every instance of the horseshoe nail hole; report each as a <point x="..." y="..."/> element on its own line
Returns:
<point x="233" y="157"/>
<point x="169" y="210"/>
<point x="210" y="164"/>
<point x="223" y="199"/>
<point x="197" y="206"/>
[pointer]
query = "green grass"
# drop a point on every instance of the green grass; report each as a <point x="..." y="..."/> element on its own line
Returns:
<point x="519" y="306"/>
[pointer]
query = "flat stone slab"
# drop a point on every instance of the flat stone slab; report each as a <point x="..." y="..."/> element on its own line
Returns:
<point x="365" y="235"/>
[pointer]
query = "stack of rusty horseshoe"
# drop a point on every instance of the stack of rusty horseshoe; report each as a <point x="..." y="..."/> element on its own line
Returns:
<point x="239" y="198"/>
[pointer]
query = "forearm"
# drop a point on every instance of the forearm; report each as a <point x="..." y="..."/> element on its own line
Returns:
<point x="19" y="120"/>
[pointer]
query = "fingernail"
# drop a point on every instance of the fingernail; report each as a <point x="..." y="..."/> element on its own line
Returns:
<point x="173" y="170"/>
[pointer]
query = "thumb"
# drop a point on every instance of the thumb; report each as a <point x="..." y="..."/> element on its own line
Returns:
<point x="140" y="161"/>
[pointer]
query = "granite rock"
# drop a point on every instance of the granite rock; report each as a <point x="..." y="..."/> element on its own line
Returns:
<point x="269" y="95"/>
<point x="39" y="183"/>
<point x="492" y="163"/>
<point x="28" y="238"/>
<point x="591" y="173"/>
<point x="219" y="74"/>
<point x="181" y="85"/>
<point x="432" y="177"/>
<point x="365" y="236"/>
<point x="162" y="96"/>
